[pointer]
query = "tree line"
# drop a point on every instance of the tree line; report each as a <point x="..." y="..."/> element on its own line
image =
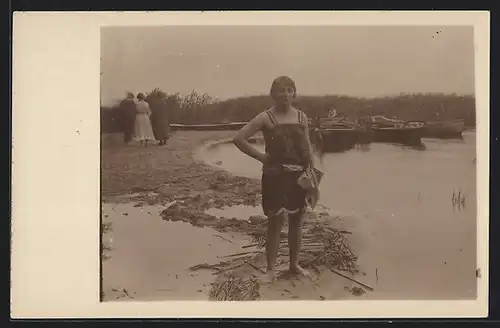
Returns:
<point x="196" y="108"/>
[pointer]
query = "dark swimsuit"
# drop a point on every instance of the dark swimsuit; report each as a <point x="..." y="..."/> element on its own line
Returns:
<point x="286" y="143"/>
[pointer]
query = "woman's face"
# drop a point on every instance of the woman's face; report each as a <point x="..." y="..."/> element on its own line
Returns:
<point x="283" y="94"/>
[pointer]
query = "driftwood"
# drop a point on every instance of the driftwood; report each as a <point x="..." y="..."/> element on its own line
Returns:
<point x="229" y="269"/>
<point x="255" y="267"/>
<point x="318" y="258"/>
<point x="221" y="237"/>
<point x="243" y="253"/>
<point x="251" y="245"/>
<point x="172" y="203"/>
<point x="351" y="279"/>
<point x="205" y="266"/>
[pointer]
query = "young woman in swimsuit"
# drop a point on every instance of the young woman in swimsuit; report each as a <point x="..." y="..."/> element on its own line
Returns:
<point x="288" y="152"/>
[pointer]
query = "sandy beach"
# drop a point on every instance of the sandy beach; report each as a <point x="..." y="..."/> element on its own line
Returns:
<point x="171" y="219"/>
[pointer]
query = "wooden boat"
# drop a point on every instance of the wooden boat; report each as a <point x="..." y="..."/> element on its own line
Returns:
<point x="339" y="133"/>
<point x="384" y="129"/>
<point x="208" y="127"/>
<point x="336" y="122"/>
<point x="338" y="139"/>
<point x="385" y="122"/>
<point x="406" y="134"/>
<point x="444" y="129"/>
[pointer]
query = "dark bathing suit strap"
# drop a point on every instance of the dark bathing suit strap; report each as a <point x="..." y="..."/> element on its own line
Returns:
<point x="302" y="116"/>
<point x="271" y="117"/>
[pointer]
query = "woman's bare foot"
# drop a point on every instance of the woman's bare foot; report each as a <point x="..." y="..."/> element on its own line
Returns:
<point x="268" y="277"/>
<point x="298" y="270"/>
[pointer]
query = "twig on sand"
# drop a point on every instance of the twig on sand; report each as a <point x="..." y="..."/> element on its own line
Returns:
<point x="255" y="267"/>
<point x="228" y="269"/>
<point x="205" y="266"/>
<point x="376" y="273"/>
<point x="224" y="238"/>
<point x="124" y="291"/>
<point x="349" y="278"/>
<point x="251" y="245"/>
<point x="172" y="203"/>
<point x="319" y="257"/>
<point x="243" y="253"/>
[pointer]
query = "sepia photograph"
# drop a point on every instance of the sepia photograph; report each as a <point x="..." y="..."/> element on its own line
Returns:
<point x="288" y="163"/>
<point x="250" y="165"/>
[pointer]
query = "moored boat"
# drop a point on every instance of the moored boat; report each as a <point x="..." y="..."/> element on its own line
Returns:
<point x="406" y="134"/>
<point x="386" y="122"/>
<point x="384" y="129"/>
<point x="444" y="129"/>
<point x="339" y="139"/>
<point x="338" y="134"/>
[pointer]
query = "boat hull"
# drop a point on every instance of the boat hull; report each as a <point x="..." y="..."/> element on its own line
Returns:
<point x="405" y="135"/>
<point x="445" y="129"/>
<point x="339" y="140"/>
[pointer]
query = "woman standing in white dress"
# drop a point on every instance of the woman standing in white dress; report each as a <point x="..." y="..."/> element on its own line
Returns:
<point x="143" y="128"/>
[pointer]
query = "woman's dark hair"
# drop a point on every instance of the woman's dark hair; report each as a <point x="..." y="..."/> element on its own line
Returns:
<point x="140" y="96"/>
<point x="283" y="81"/>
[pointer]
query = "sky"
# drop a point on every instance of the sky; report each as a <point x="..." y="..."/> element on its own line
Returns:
<point x="235" y="61"/>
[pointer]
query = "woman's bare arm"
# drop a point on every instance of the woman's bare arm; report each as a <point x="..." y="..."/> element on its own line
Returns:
<point x="248" y="131"/>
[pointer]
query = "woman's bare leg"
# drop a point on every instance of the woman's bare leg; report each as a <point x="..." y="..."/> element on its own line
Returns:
<point x="274" y="226"/>
<point x="294" y="242"/>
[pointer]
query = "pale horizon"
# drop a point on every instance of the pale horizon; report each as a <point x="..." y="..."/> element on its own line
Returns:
<point x="229" y="62"/>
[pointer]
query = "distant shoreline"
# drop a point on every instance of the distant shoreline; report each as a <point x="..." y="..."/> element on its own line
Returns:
<point x="202" y="109"/>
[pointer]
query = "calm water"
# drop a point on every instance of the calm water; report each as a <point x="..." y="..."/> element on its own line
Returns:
<point x="400" y="204"/>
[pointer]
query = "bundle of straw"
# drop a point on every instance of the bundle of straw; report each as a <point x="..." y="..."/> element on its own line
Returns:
<point x="232" y="288"/>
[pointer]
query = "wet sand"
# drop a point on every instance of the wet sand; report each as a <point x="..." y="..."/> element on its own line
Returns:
<point x="150" y="258"/>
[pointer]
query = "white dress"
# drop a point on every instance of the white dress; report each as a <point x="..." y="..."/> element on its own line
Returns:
<point x="143" y="129"/>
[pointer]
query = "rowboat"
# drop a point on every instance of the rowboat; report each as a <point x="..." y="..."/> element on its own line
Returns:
<point x="445" y="129"/>
<point x="406" y="134"/>
<point x="338" y="139"/>
<point x="383" y="129"/>
<point x="340" y="134"/>
<point x="386" y="122"/>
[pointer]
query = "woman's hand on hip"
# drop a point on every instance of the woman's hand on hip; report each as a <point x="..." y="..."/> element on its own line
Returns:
<point x="263" y="158"/>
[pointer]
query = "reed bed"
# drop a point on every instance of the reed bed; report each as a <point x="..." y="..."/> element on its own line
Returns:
<point x="322" y="247"/>
<point x="458" y="199"/>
